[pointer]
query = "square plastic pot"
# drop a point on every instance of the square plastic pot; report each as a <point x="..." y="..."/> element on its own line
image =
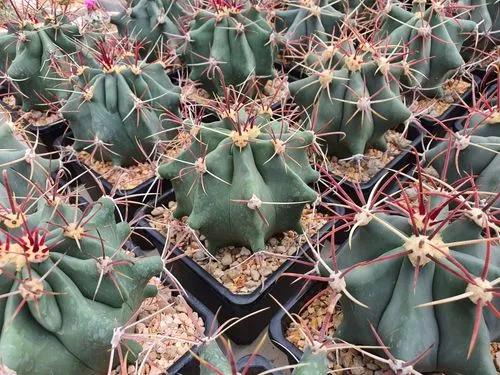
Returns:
<point x="93" y="182"/>
<point x="217" y="297"/>
<point x="404" y="162"/>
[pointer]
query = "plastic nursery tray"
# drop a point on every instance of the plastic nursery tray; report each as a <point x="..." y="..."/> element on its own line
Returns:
<point x="89" y="177"/>
<point x="281" y="321"/>
<point x="259" y="365"/>
<point x="404" y="162"/>
<point x="453" y="111"/>
<point x="212" y="293"/>
<point x="188" y="364"/>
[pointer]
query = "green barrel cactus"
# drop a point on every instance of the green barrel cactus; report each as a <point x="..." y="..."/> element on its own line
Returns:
<point x="405" y="261"/>
<point x="471" y="152"/>
<point x="477" y="11"/>
<point x="23" y="166"/>
<point x="152" y="23"/>
<point x="351" y="92"/>
<point x="117" y="113"/>
<point x="312" y="362"/>
<point x="65" y="284"/>
<point x="37" y="69"/>
<point x="231" y="40"/>
<point x="211" y="357"/>
<point x="243" y="180"/>
<point x="494" y="11"/>
<point x="432" y="42"/>
<point x="307" y="18"/>
<point x="8" y="42"/>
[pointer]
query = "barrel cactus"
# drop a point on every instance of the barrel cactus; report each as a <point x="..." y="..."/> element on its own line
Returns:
<point x="117" y="112"/>
<point x="307" y="18"/>
<point x="352" y="96"/>
<point x="8" y="42"/>
<point x="65" y="284"/>
<point x="37" y="69"/>
<point x="433" y="39"/>
<point x="477" y="11"/>
<point x="232" y="39"/>
<point x="420" y="265"/>
<point x="246" y="173"/>
<point x="23" y="166"/>
<point x="153" y="23"/>
<point x="474" y="151"/>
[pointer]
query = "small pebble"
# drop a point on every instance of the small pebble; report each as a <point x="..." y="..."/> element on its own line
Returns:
<point x="227" y="259"/>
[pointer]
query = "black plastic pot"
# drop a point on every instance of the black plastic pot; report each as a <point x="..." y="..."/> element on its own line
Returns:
<point x="404" y="162"/>
<point x="188" y="364"/>
<point x="281" y="321"/>
<point x="258" y="365"/>
<point x="47" y="134"/>
<point x="93" y="182"/>
<point x="212" y="293"/>
<point x="455" y="110"/>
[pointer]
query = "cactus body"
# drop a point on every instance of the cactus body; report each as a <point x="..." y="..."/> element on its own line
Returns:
<point x="39" y="47"/>
<point x="68" y="326"/>
<point x="474" y="153"/>
<point x="213" y="355"/>
<point x="312" y="363"/>
<point x="236" y="40"/>
<point x="122" y="107"/>
<point x="388" y="289"/>
<point x="434" y="42"/>
<point x="308" y="18"/>
<point x="244" y="177"/>
<point x="151" y="22"/>
<point x="358" y="96"/>
<point x="8" y="43"/>
<point x="24" y="168"/>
